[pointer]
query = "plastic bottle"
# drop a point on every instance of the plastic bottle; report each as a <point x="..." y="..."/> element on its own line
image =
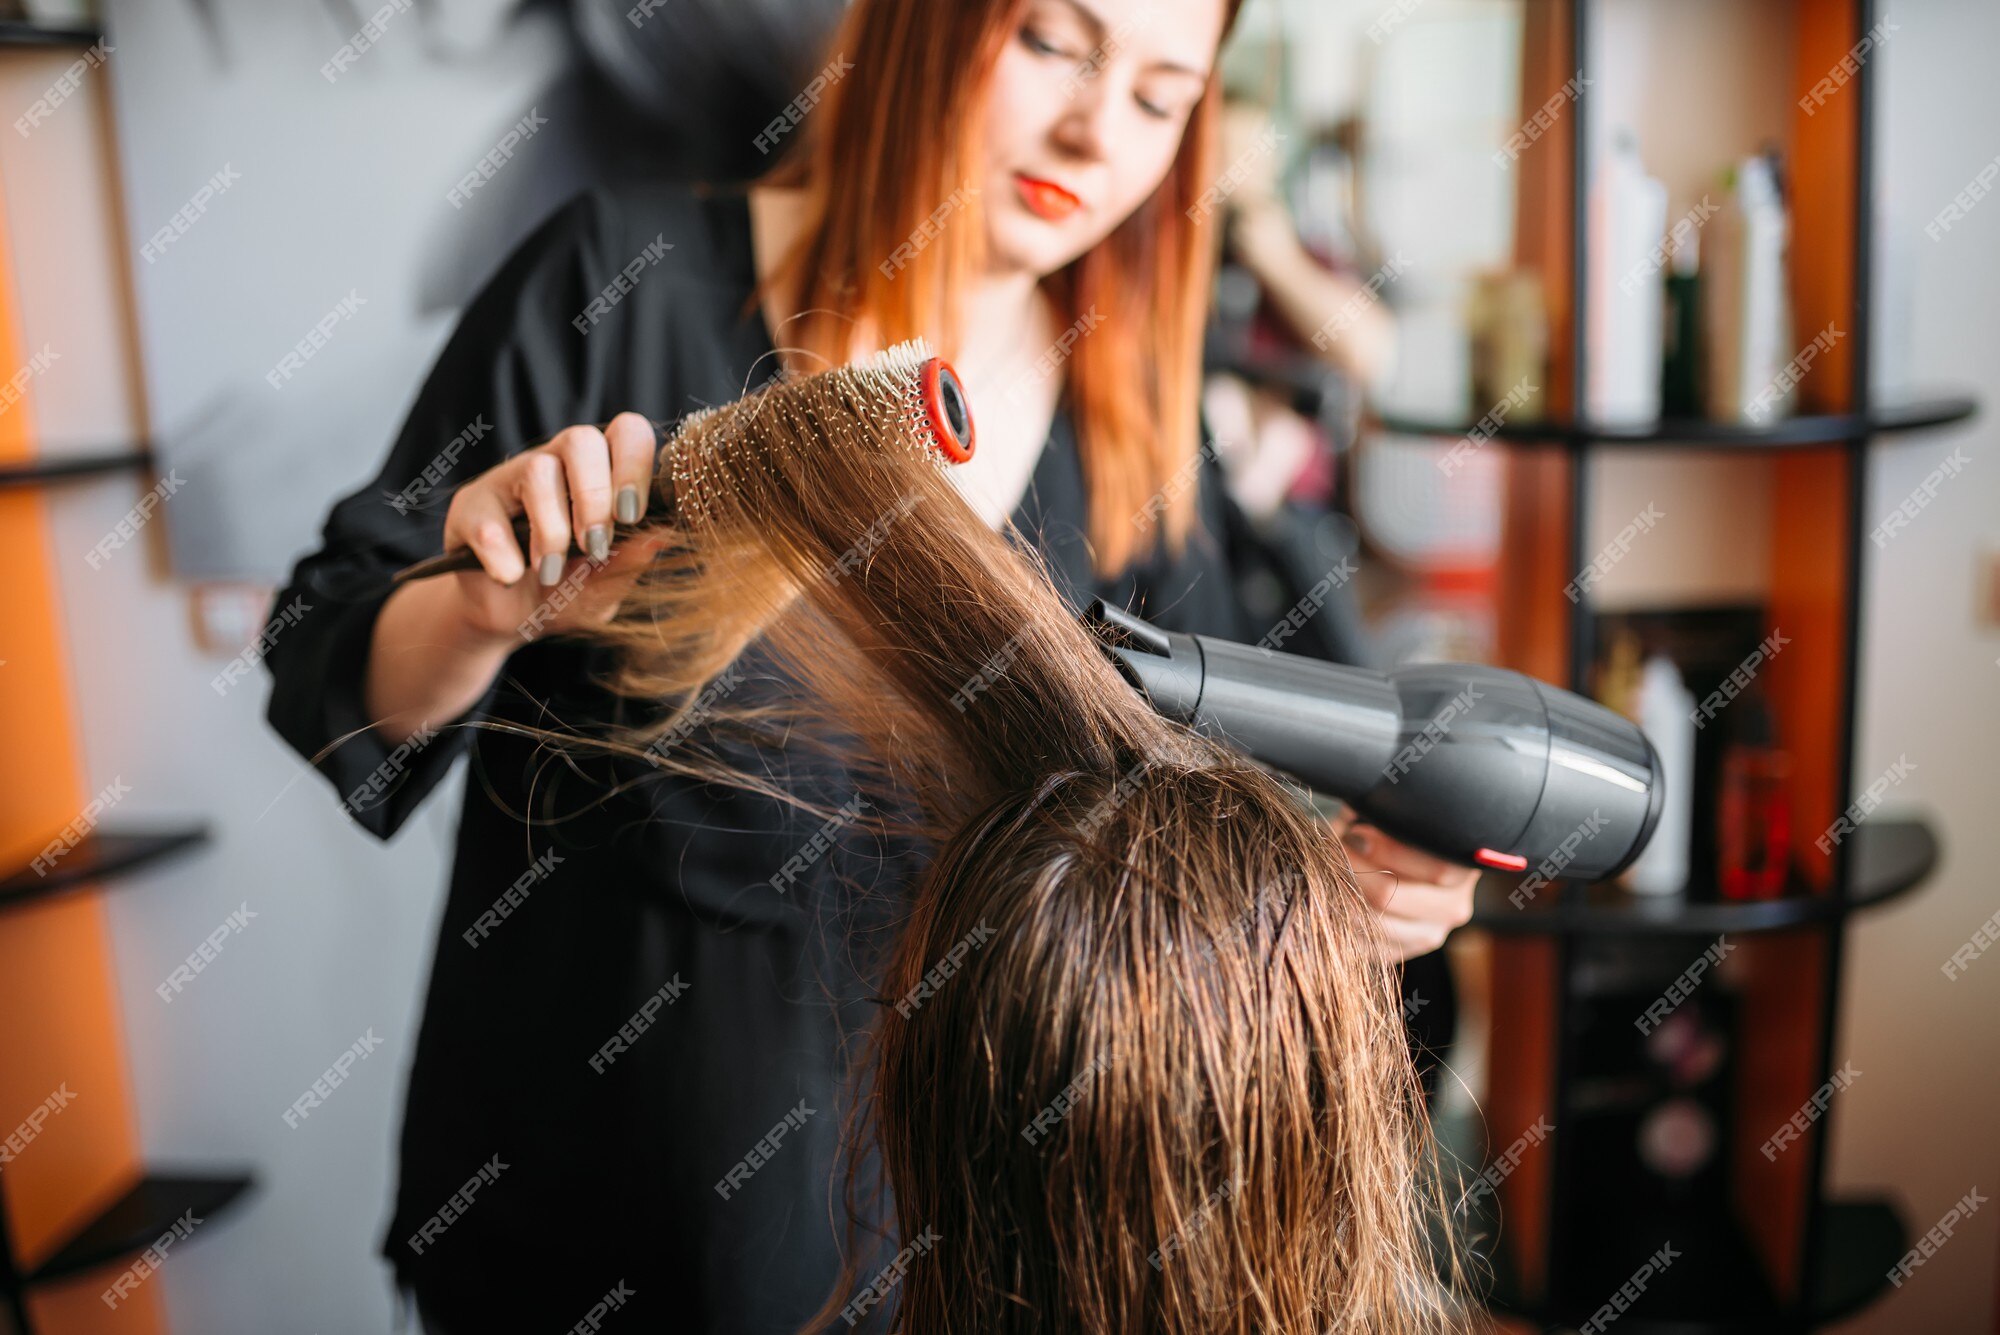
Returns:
<point x="1666" y="714"/>
<point x="1629" y="216"/>
<point x="1746" y="309"/>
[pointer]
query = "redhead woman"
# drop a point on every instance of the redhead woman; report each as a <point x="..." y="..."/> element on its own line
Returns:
<point x="647" y="990"/>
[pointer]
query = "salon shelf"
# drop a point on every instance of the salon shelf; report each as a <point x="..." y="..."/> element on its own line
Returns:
<point x="102" y="855"/>
<point x="16" y="32"/>
<point x="1716" y="1286"/>
<point x="1698" y="433"/>
<point x="44" y="472"/>
<point x="139" y="1218"/>
<point x="1889" y="858"/>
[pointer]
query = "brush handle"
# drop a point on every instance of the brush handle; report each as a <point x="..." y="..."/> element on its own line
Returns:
<point x="464" y="558"/>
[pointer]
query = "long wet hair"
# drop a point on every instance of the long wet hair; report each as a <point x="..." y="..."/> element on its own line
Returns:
<point x="890" y="154"/>
<point x="1141" y="1063"/>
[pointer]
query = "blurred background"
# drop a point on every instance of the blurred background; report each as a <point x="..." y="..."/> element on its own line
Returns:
<point x="1643" y="345"/>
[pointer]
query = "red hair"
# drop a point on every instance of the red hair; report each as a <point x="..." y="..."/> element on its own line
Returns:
<point x="893" y="150"/>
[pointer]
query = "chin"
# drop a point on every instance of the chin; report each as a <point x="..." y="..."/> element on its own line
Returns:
<point x="1022" y="241"/>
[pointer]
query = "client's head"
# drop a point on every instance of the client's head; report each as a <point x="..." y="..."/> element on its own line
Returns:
<point x="1140" y="1065"/>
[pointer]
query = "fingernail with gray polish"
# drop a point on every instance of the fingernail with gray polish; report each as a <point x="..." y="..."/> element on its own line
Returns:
<point x="550" y="571"/>
<point x="628" y="505"/>
<point x="597" y="542"/>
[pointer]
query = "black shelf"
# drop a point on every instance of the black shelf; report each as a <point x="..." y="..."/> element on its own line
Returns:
<point x="1716" y="1286"/>
<point x="1890" y="858"/>
<point x="137" y="1219"/>
<point x="43" y="472"/>
<point x="16" y="32"/>
<point x="1698" y="433"/>
<point x="100" y="856"/>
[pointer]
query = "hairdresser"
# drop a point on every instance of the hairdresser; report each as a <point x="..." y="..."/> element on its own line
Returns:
<point x="630" y="1007"/>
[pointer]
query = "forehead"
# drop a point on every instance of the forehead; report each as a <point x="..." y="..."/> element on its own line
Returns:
<point x="1179" y="33"/>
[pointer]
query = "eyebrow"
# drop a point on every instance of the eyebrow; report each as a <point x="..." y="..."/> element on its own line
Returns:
<point x="1099" y="28"/>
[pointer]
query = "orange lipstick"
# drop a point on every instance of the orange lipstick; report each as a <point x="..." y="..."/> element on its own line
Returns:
<point x="1045" y="198"/>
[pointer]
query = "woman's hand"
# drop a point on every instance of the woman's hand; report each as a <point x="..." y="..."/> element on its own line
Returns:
<point x="571" y="489"/>
<point x="1418" y="898"/>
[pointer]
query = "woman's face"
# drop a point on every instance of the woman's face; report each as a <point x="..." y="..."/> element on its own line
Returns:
<point x="1089" y="98"/>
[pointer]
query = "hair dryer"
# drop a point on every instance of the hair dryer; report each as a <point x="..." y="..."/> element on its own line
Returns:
<point x="1476" y="764"/>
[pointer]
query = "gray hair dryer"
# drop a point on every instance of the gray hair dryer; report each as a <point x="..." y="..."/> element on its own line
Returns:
<point x="1475" y="764"/>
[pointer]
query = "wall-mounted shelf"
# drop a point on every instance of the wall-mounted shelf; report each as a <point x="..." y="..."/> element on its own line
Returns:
<point x="98" y="857"/>
<point x="44" y="472"/>
<point x="1810" y="431"/>
<point x="1890" y="857"/>
<point x="138" y="1219"/>
<point x="15" y="32"/>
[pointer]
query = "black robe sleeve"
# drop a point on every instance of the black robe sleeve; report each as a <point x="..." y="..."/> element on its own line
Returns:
<point x="514" y="372"/>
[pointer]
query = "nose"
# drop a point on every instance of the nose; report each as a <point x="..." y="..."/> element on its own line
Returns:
<point x="1082" y="129"/>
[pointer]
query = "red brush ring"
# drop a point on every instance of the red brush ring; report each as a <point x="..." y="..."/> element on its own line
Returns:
<point x="946" y="410"/>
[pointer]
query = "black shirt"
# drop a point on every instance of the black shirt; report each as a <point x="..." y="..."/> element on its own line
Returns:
<point x="603" y="1169"/>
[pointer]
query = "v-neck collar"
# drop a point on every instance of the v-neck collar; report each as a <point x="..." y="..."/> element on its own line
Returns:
<point x="1052" y="513"/>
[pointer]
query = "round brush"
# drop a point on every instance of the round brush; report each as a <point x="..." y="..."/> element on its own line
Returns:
<point x="903" y="383"/>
